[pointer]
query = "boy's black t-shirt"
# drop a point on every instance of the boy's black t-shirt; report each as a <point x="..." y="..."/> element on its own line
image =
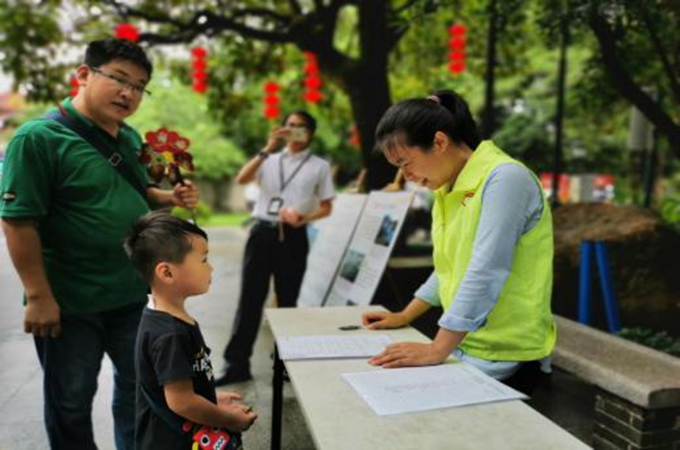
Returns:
<point x="168" y="349"/>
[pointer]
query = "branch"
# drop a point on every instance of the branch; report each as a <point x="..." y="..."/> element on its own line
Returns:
<point x="202" y="22"/>
<point x="125" y="11"/>
<point x="260" y="12"/>
<point x="627" y="87"/>
<point x="661" y="51"/>
<point x="295" y="6"/>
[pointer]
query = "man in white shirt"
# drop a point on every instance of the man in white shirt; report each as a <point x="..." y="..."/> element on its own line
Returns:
<point x="295" y="188"/>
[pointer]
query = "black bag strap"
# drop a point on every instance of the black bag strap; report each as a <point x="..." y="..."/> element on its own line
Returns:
<point x="114" y="158"/>
<point x="172" y="421"/>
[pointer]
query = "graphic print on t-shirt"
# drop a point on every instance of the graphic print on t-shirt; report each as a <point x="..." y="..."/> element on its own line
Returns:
<point x="202" y="363"/>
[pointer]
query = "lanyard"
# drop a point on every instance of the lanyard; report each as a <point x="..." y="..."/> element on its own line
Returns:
<point x="285" y="183"/>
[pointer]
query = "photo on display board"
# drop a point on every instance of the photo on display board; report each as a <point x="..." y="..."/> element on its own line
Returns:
<point x="351" y="265"/>
<point x="386" y="231"/>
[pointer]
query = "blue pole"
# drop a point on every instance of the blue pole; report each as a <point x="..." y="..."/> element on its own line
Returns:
<point x="610" y="304"/>
<point x="584" y="292"/>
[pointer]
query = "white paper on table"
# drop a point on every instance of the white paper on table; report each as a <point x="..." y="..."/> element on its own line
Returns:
<point x="331" y="346"/>
<point x="399" y="391"/>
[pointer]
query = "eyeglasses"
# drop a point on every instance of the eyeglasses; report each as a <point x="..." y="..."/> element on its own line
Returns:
<point x="137" y="88"/>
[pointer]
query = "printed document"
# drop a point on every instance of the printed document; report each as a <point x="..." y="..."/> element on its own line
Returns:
<point x="331" y="346"/>
<point x="413" y="389"/>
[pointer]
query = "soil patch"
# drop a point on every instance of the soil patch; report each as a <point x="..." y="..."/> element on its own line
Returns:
<point x="643" y="251"/>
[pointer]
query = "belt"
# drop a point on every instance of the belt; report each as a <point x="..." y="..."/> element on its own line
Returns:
<point x="275" y="224"/>
<point x="267" y="223"/>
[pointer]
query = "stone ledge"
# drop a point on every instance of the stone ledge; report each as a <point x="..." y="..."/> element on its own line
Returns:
<point x="636" y="373"/>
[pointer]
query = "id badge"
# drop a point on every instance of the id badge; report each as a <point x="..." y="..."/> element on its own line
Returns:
<point x="274" y="205"/>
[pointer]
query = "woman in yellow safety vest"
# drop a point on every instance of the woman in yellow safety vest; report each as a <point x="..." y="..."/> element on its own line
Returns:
<point x="493" y="246"/>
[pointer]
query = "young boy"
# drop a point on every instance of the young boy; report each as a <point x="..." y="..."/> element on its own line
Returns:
<point x="174" y="374"/>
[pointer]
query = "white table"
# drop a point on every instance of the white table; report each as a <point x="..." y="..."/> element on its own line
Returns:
<point x="339" y="419"/>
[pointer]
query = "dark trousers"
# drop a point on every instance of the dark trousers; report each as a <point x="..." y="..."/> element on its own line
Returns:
<point x="71" y="365"/>
<point x="528" y="377"/>
<point x="266" y="255"/>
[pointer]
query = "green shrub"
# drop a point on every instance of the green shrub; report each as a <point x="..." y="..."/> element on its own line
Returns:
<point x="658" y="340"/>
<point x="670" y="211"/>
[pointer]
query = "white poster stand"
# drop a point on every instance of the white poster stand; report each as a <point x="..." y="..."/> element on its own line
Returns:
<point x="329" y="238"/>
<point x="369" y="249"/>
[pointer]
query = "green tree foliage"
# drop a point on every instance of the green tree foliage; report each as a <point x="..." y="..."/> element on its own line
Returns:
<point x="30" y="40"/>
<point x="309" y="26"/>
<point x="236" y="99"/>
<point x="636" y="45"/>
<point x="173" y="105"/>
<point x="252" y="41"/>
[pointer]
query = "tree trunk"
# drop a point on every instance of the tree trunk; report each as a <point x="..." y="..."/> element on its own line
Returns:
<point x="369" y="89"/>
<point x="370" y="97"/>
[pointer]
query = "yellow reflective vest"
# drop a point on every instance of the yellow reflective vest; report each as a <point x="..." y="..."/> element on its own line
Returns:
<point x="520" y="327"/>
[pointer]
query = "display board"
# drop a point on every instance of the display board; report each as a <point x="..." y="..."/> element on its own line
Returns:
<point x="328" y="240"/>
<point x="369" y="248"/>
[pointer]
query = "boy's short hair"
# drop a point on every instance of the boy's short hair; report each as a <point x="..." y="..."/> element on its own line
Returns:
<point x="159" y="237"/>
<point x="106" y="50"/>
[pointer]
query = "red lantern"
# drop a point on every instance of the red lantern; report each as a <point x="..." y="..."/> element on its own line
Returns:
<point x="354" y="137"/>
<point x="312" y="81"/>
<point x="75" y="86"/>
<point x="126" y="31"/>
<point x="199" y="53"/>
<point x="271" y="100"/>
<point x="312" y="96"/>
<point x="199" y="64"/>
<point x="457" y="44"/>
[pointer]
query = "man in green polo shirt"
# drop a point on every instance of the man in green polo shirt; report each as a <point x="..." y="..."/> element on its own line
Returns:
<point x="65" y="211"/>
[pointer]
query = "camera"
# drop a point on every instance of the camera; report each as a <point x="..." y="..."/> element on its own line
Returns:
<point x="297" y="134"/>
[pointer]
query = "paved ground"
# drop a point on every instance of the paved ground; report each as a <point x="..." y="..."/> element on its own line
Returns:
<point x="569" y="402"/>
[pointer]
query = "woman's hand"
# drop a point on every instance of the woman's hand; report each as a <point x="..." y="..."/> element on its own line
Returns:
<point x="405" y="354"/>
<point x="382" y="320"/>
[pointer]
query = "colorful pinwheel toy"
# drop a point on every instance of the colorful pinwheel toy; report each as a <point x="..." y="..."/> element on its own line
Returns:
<point x="163" y="153"/>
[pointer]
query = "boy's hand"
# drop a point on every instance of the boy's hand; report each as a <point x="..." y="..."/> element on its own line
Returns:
<point x="242" y="416"/>
<point x="227" y="398"/>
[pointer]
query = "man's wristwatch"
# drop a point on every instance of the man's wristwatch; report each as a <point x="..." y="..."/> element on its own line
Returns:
<point x="263" y="154"/>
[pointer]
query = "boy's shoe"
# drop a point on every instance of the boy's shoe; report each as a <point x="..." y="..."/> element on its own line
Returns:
<point x="233" y="375"/>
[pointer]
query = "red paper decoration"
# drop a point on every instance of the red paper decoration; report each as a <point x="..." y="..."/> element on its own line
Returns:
<point x="271" y="100"/>
<point x="73" y="82"/>
<point x="126" y="31"/>
<point x="199" y="64"/>
<point x="457" y="45"/>
<point x="354" y="136"/>
<point x="312" y="79"/>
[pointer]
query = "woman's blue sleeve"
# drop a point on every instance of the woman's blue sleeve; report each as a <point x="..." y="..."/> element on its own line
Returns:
<point x="512" y="204"/>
